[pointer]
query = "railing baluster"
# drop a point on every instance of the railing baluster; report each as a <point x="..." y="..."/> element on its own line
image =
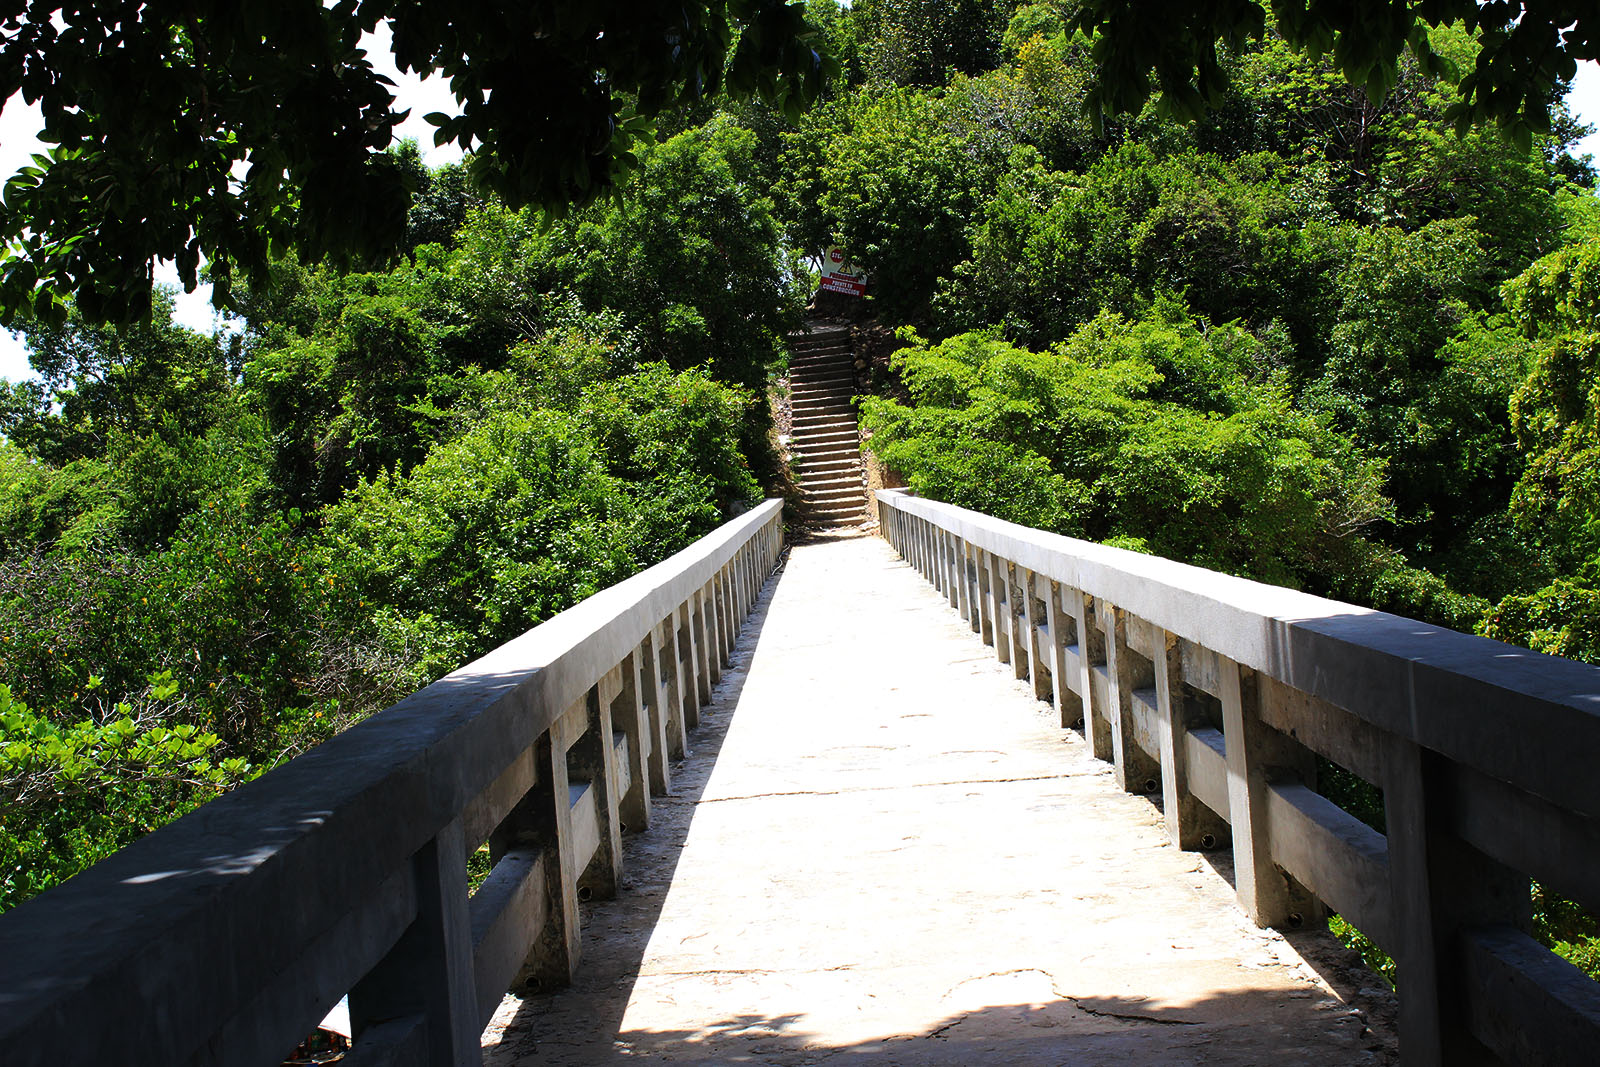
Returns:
<point x="592" y="761"/>
<point x="961" y="586"/>
<point x="1064" y="633"/>
<point x="1000" y="606"/>
<point x="630" y="714"/>
<point x="1017" y="625"/>
<point x="1190" y="824"/>
<point x="984" y="617"/>
<point x="1125" y="673"/>
<point x="1257" y="754"/>
<point x="1041" y="661"/>
<point x="658" y="667"/>
<point x="1444" y="887"/>
<point x="695" y="640"/>
<point x="428" y="974"/>
<point x="1093" y="672"/>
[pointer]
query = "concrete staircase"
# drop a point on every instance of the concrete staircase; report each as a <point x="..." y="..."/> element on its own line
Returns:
<point x="825" y="445"/>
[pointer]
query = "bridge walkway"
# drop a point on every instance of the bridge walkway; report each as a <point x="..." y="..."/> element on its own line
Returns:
<point x="883" y="851"/>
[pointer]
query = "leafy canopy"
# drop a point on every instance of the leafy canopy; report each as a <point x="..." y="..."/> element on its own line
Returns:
<point x="235" y="132"/>
<point x="1171" y="47"/>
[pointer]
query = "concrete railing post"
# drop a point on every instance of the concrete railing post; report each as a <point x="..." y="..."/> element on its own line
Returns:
<point x="724" y="643"/>
<point x="1190" y="824"/>
<point x="962" y="584"/>
<point x="1445" y="888"/>
<point x="423" y="989"/>
<point x="1017" y="625"/>
<point x="1063" y="637"/>
<point x="702" y="627"/>
<point x="1000" y="606"/>
<point x="1256" y="756"/>
<point x="1092" y="663"/>
<point x="631" y="714"/>
<point x="658" y="681"/>
<point x="947" y="566"/>
<point x="1126" y="672"/>
<point x="696" y="663"/>
<point x="1041" y="659"/>
<point x="925" y="549"/>
<point x="983" y="615"/>
<point x="592" y="761"/>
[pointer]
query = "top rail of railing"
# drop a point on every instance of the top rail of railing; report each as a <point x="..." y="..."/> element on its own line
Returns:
<point x="226" y="935"/>
<point x="1218" y="692"/>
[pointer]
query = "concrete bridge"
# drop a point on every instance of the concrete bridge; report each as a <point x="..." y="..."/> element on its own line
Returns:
<point x="1027" y="800"/>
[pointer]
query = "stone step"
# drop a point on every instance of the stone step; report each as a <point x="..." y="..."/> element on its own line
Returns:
<point x="837" y="402"/>
<point x="810" y="429"/>
<point x="840" y="390"/>
<point x="819" y="347"/>
<point x="825" y="440"/>
<point x="851" y="482"/>
<point x="845" y="387"/>
<point x="821" y="405"/>
<point x="821" y="378"/>
<point x="851" y="516"/>
<point x="846" y="464"/>
<point x="855" y="498"/>
<point x="824" y="451"/>
<point x="815" y="432"/>
<point x="810" y="420"/>
<point x="823" y="359"/>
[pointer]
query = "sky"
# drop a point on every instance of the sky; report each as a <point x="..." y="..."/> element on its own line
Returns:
<point x="19" y="124"/>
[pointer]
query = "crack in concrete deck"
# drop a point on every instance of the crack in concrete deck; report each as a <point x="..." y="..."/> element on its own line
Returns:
<point x="884" y="850"/>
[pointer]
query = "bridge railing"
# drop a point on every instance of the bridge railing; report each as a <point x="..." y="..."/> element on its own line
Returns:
<point x="1217" y="693"/>
<point x="226" y="936"/>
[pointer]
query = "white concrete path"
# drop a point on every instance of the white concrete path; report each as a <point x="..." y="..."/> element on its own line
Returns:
<point x="882" y="851"/>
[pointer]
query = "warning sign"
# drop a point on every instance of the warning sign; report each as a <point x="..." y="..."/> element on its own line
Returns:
<point x="839" y="275"/>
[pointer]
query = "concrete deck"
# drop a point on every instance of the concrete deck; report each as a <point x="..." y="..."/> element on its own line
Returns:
<point x="882" y="851"/>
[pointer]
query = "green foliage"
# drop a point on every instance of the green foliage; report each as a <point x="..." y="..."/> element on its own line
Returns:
<point x="73" y="793"/>
<point x="1380" y="962"/>
<point x="1555" y="507"/>
<point x="552" y="109"/>
<point x="925" y="42"/>
<point x="690" y="260"/>
<point x="1180" y="453"/>
<point x="229" y="607"/>
<point x="1567" y="930"/>
<point x="1244" y="239"/>
<point x="528" y="512"/>
<point x="1528" y="51"/>
<point x="887" y="177"/>
<point x="1560" y="619"/>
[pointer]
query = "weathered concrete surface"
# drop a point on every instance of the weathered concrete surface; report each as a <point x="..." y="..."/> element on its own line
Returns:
<point x="882" y="851"/>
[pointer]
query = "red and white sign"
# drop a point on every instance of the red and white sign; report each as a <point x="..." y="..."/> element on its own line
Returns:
<point x="839" y="275"/>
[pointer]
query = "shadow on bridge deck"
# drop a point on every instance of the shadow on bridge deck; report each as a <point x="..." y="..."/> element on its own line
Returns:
<point x="882" y="850"/>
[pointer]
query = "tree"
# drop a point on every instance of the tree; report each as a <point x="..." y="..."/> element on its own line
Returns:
<point x="206" y="128"/>
<point x="1530" y="47"/>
